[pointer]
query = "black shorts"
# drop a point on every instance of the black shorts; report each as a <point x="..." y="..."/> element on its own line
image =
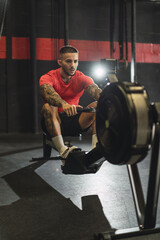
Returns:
<point x="69" y="125"/>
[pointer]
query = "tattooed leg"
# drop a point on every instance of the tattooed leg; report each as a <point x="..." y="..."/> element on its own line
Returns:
<point x="52" y="120"/>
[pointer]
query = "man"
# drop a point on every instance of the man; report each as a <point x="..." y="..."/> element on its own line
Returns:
<point x="61" y="90"/>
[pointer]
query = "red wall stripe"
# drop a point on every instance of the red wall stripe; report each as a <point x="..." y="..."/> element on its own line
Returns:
<point x="47" y="49"/>
<point x="91" y="50"/>
<point x="20" y="48"/>
<point x="3" y="47"/>
<point x="148" y="52"/>
<point x="96" y="50"/>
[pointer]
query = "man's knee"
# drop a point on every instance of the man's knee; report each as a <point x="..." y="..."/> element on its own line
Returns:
<point x="45" y="108"/>
<point x="91" y="116"/>
<point x="93" y="104"/>
<point x="51" y="120"/>
<point x="87" y="119"/>
<point x="49" y="110"/>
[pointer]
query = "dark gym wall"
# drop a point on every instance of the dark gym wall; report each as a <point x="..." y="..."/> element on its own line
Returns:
<point x="42" y="25"/>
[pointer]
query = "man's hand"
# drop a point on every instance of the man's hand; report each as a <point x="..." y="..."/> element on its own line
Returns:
<point x="70" y="110"/>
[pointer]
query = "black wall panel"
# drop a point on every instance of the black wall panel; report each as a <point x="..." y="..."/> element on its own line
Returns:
<point x="20" y="97"/>
<point x="3" y="97"/>
<point x="88" y="20"/>
<point x="50" y="18"/>
<point x="149" y="76"/>
<point x="148" y="15"/>
<point x="18" y="17"/>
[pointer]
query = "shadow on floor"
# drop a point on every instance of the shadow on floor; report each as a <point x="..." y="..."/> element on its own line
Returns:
<point x="43" y="213"/>
<point x="19" y="151"/>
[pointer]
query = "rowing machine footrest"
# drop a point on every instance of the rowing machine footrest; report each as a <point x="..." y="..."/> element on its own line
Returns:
<point x="76" y="163"/>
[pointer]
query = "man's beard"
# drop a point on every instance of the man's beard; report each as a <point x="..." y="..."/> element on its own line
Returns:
<point x="66" y="72"/>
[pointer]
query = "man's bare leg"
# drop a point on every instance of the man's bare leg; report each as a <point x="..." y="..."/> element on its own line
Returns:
<point x="88" y="119"/>
<point x="52" y="122"/>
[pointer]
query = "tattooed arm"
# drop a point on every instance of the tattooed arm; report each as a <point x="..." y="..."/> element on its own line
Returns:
<point x="54" y="99"/>
<point x="94" y="91"/>
<point x="51" y="96"/>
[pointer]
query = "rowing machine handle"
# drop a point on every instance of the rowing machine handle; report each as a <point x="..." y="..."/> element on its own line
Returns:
<point x="80" y="110"/>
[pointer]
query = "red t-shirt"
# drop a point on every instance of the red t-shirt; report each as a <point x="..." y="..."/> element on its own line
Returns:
<point x="70" y="92"/>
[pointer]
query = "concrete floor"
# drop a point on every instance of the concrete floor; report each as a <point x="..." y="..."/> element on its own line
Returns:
<point x="38" y="202"/>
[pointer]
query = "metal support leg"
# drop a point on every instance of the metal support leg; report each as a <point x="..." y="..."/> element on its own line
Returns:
<point x="46" y="148"/>
<point x="137" y="191"/>
<point x="154" y="182"/>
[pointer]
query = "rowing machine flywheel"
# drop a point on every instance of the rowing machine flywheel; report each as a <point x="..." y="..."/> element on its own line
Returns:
<point x="124" y="123"/>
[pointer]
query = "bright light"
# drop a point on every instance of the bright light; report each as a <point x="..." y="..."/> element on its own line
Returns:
<point x="99" y="72"/>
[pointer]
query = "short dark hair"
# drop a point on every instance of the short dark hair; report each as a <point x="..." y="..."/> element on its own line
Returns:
<point x="67" y="49"/>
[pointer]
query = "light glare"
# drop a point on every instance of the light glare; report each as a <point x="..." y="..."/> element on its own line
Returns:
<point x="99" y="72"/>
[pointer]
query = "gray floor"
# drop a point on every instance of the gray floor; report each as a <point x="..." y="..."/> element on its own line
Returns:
<point x="38" y="202"/>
